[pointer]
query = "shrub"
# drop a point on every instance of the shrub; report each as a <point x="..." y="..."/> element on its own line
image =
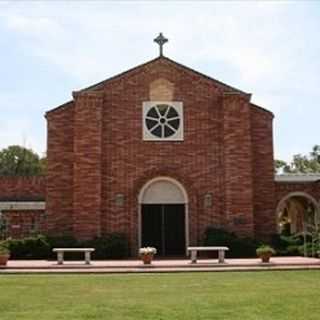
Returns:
<point x="110" y="246"/>
<point x="17" y="248"/>
<point x="239" y="247"/>
<point x="40" y="247"/>
<point x="4" y="248"/>
<point x="66" y="241"/>
<point x="29" y="248"/>
<point x="310" y="250"/>
<point x="293" y="245"/>
<point x="63" y="242"/>
<point x="286" y="245"/>
<point x="113" y="246"/>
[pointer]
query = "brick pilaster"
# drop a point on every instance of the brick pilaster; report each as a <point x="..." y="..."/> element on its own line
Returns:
<point x="87" y="164"/>
<point x="238" y="164"/>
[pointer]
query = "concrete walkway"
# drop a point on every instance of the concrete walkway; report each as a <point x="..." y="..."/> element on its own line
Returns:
<point x="136" y="266"/>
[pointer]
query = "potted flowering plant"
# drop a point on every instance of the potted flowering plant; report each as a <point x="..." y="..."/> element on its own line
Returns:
<point x="265" y="252"/>
<point x="147" y="254"/>
<point x="4" y="253"/>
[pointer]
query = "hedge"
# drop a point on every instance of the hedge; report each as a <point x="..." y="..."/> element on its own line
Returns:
<point x="110" y="246"/>
<point x="238" y="247"/>
<point x="29" y="248"/>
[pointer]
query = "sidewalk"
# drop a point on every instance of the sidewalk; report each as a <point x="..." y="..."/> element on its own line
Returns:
<point x="136" y="266"/>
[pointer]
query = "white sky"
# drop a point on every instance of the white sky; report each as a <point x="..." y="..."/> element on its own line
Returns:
<point x="270" y="49"/>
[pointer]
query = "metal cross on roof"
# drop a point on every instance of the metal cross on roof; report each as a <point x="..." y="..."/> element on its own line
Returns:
<point x="160" y="40"/>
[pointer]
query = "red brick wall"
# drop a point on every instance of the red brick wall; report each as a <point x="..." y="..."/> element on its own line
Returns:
<point x="263" y="172"/>
<point x="22" y="188"/>
<point x="87" y="164"/>
<point x="95" y="148"/>
<point x="21" y="224"/>
<point x="60" y="171"/>
<point x="129" y="162"/>
<point x="96" y="151"/>
<point x="237" y="164"/>
<point x="285" y="188"/>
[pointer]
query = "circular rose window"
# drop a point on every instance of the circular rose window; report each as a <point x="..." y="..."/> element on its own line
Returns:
<point x="162" y="120"/>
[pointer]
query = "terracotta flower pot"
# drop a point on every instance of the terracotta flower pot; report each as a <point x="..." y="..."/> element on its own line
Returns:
<point x="265" y="257"/>
<point x="4" y="259"/>
<point x="147" y="258"/>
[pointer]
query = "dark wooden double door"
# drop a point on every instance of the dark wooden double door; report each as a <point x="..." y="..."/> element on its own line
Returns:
<point x="163" y="227"/>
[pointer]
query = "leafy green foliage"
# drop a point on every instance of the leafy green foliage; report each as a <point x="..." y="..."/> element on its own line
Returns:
<point x="287" y="245"/>
<point x="63" y="242"/>
<point x="239" y="247"/>
<point x="29" y="248"/>
<point x="20" y="161"/>
<point x="40" y="247"/>
<point x="280" y="165"/>
<point x="293" y="245"/>
<point x="301" y="163"/>
<point x="265" y="249"/>
<point x="3" y="226"/>
<point x="113" y="246"/>
<point x="4" y="250"/>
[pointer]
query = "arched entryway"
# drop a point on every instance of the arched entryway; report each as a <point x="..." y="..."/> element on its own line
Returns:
<point x="163" y="216"/>
<point x="297" y="212"/>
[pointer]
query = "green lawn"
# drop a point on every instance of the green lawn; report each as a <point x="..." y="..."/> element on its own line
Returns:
<point x="245" y="295"/>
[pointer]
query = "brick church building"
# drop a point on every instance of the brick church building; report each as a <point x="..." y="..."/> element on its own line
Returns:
<point x="159" y="152"/>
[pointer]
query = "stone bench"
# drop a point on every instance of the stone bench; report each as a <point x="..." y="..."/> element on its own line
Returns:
<point x="60" y="253"/>
<point x="194" y="251"/>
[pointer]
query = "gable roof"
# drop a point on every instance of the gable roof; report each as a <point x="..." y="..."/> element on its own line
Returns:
<point x="101" y="84"/>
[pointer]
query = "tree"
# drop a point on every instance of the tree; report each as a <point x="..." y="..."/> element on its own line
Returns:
<point x="280" y="165"/>
<point x="301" y="163"/>
<point x="20" y="161"/>
<point x="315" y="153"/>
